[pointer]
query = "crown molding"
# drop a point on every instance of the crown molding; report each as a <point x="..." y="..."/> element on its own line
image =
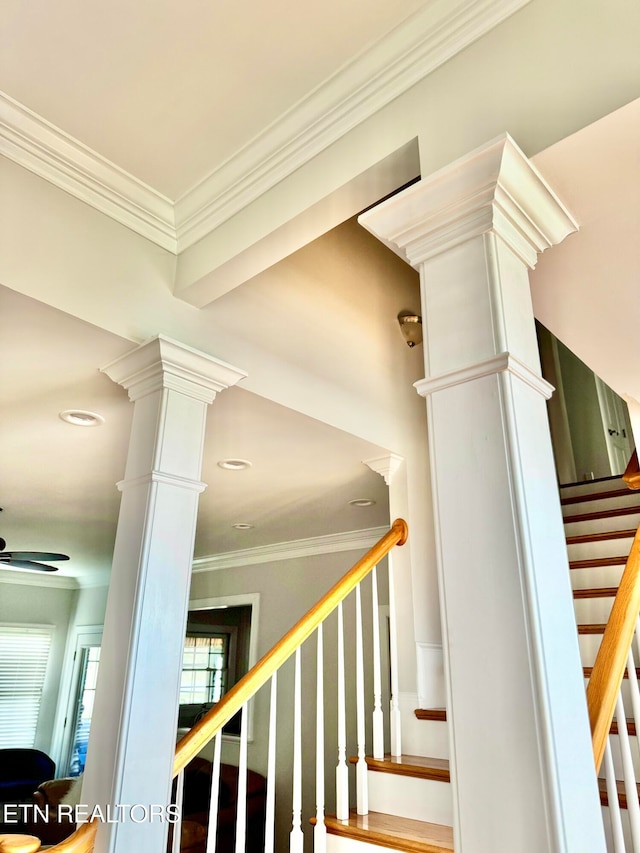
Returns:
<point x="37" y="145"/>
<point x="28" y="578"/>
<point x="377" y="76"/>
<point x="352" y="540"/>
<point x="373" y="79"/>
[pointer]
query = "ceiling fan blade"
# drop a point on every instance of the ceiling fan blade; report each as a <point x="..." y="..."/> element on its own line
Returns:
<point x="33" y="555"/>
<point x="28" y="564"/>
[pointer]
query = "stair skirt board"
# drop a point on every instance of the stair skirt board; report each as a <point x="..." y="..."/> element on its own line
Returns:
<point x="370" y="832"/>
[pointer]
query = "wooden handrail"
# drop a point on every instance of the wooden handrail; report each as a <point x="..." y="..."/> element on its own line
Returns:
<point x="211" y="723"/>
<point x="82" y="840"/>
<point x="631" y="474"/>
<point x="19" y="844"/>
<point x="611" y="660"/>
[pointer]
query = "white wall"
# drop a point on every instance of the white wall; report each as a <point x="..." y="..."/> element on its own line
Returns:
<point x="287" y="589"/>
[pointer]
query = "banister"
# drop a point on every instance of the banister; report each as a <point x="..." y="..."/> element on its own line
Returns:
<point x="211" y="723"/>
<point x="19" y="844"/>
<point x="82" y="840"/>
<point x="611" y="660"/>
<point x="631" y="474"/>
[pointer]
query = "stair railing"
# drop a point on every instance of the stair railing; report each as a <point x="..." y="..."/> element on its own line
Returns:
<point x="236" y="700"/>
<point x="615" y="663"/>
<point x="631" y="474"/>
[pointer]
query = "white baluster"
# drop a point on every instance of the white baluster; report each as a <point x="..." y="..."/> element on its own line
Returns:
<point x="614" y="806"/>
<point x="378" y="719"/>
<point x="296" y="838"/>
<point x="241" y="813"/>
<point x="319" y="830"/>
<point x="342" y="770"/>
<point x="633" y="807"/>
<point x="215" y="792"/>
<point x="177" y="826"/>
<point x="270" y="810"/>
<point x="362" y="792"/>
<point x="394" y="711"/>
<point x="634" y="691"/>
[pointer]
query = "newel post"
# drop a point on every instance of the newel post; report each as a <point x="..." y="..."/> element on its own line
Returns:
<point x="521" y="760"/>
<point x="133" y="732"/>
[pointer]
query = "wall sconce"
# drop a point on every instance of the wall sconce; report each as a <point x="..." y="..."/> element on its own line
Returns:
<point x="411" y="327"/>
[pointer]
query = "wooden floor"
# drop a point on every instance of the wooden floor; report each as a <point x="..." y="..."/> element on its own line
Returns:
<point x="398" y="833"/>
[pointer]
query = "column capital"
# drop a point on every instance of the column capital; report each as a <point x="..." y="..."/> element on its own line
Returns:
<point x="386" y="465"/>
<point x="164" y="363"/>
<point x="494" y="188"/>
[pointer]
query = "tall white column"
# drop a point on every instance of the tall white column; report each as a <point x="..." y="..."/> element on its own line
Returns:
<point x="521" y="756"/>
<point x="133" y="731"/>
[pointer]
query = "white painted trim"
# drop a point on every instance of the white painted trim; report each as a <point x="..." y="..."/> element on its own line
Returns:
<point x="166" y="479"/>
<point x="493" y="188"/>
<point x="332" y="543"/>
<point x="373" y="79"/>
<point x="502" y="363"/>
<point x="380" y="74"/>
<point x="39" y="579"/>
<point x="386" y="465"/>
<point x="37" y="145"/>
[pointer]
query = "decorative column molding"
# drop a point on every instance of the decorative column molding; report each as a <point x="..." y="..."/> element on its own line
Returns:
<point x="165" y="363"/>
<point x="515" y="695"/>
<point x="133" y="733"/>
<point x="386" y="465"/>
<point x="494" y="188"/>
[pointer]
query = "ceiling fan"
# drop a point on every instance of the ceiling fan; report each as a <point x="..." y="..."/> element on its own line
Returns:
<point x="28" y="559"/>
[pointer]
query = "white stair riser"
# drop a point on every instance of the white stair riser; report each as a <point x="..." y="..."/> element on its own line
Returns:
<point x="589" y="646"/>
<point x="628" y="499"/>
<point x="599" y="525"/>
<point x="601" y="548"/>
<point x="593" y="610"/>
<point x="411" y="797"/>
<point x="596" y="576"/>
<point x="625" y="828"/>
<point x="338" y="844"/>
<point x="590" y="487"/>
<point x="617" y="760"/>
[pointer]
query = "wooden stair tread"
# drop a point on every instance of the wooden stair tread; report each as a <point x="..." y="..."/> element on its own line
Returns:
<point x="631" y="728"/>
<point x="591" y="629"/>
<point x="598" y="561"/>
<point x="587" y="670"/>
<point x="596" y="592"/>
<point x="622" y="796"/>
<point x="418" y="766"/>
<point x="596" y="496"/>
<point x="603" y="536"/>
<point x="398" y="833"/>
<point x="438" y="714"/>
<point x="604" y="513"/>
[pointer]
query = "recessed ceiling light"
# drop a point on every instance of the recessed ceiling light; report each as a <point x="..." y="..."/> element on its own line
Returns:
<point x="241" y="525"/>
<point x="234" y="464"/>
<point x="362" y="502"/>
<point x="80" y="417"/>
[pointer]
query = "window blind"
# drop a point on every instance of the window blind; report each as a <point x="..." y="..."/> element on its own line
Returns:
<point x="24" y="652"/>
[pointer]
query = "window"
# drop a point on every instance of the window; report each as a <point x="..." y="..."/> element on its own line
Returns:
<point x="84" y="709"/>
<point x="205" y="667"/>
<point x="24" y="652"/>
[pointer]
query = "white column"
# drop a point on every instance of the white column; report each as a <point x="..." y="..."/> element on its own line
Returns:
<point x="133" y="731"/>
<point x="521" y="756"/>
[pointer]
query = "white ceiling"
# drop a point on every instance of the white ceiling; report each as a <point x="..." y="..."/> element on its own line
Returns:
<point x="154" y="86"/>
<point x="58" y="481"/>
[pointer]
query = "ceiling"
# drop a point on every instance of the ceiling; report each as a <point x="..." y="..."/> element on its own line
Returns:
<point x="146" y="83"/>
<point x="58" y="488"/>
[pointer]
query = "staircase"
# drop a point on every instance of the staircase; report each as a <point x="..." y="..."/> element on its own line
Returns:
<point x="601" y="518"/>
